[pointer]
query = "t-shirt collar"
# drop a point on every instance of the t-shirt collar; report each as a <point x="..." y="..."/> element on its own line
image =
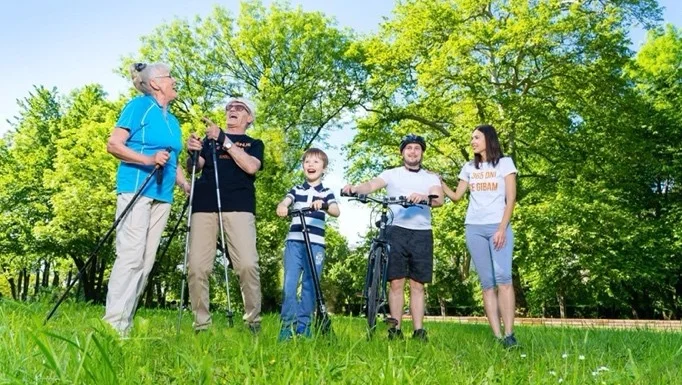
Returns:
<point x="306" y="186"/>
<point x="153" y="100"/>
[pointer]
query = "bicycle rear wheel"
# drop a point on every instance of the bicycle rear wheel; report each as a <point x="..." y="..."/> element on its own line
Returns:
<point x="374" y="288"/>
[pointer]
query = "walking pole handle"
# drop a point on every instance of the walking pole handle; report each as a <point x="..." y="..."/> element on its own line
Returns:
<point x="159" y="174"/>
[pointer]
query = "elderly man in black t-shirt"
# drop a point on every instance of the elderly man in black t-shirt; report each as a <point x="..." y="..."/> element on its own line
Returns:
<point x="239" y="157"/>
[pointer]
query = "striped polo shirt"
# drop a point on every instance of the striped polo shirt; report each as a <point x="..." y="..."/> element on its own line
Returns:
<point x="302" y="196"/>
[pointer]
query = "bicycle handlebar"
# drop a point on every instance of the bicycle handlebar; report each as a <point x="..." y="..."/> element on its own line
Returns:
<point x="386" y="200"/>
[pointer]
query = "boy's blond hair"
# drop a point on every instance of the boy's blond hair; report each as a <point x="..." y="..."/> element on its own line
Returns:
<point x="316" y="152"/>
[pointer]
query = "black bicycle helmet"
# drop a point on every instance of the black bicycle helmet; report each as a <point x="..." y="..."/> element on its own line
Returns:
<point x="412" y="138"/>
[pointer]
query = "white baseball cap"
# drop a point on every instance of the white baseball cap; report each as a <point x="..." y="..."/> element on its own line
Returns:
<point x="250" y="107"/>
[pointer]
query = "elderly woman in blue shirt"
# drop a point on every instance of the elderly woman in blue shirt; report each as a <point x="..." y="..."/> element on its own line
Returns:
<point x="146" y="136"/>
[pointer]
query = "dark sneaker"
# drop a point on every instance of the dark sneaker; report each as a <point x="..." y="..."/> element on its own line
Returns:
<point x="420" y="334"/>
<point x="285" y="335"/>
<point x="395" y="334"/>
<point x="303" y="331"/>
<point x="509" y="342"/>
<point x="254" y="327"/>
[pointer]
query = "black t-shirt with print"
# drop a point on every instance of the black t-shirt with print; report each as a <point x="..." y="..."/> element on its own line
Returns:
<point x="237" y="188"/>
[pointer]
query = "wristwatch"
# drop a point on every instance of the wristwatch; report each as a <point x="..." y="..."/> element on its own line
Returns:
<point x="227" y="145"/>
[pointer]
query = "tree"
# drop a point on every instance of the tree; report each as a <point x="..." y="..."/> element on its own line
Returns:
<point x="550" y="76"/>
<point x="83" y="187"/>
<point x="24" y="200"/>
<point x="657" y="75"/>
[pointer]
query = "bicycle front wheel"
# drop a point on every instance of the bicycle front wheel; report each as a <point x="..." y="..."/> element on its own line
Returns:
<point x="374" y="288"/>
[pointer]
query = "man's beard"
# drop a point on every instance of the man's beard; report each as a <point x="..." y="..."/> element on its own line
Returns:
<point x="412" y="164"/>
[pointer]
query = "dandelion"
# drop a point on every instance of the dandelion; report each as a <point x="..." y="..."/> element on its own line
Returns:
<point x="523" y="355"/>
<point x="581" y="357"/>
<point x="552" y="373"/>
<point x="561" y="380"/>
<point x="564" y="356"/>
<point x="602" y="369"/>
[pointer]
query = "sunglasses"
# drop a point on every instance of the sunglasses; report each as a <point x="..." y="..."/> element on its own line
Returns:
<point x="237" y="107"/>
<point x="140" y="66"/>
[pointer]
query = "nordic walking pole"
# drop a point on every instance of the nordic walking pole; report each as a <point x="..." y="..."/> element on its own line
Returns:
<point x="189" y="224"/>
<point x="229" y="314"/>
<point x="103" y="240"/>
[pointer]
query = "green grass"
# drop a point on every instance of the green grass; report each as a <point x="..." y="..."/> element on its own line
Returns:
<point x="76" y="347"/>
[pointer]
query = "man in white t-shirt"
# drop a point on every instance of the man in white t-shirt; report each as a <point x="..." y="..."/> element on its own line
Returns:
<point x="410" y="236"/>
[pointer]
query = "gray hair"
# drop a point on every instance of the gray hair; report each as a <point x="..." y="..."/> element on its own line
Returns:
<point x="142" y="73"/>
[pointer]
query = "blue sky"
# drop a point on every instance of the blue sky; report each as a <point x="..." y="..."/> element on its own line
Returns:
<point x="71" y="43"/>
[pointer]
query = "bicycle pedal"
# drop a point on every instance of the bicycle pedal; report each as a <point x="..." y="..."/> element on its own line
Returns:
<point x="392" y="322"/>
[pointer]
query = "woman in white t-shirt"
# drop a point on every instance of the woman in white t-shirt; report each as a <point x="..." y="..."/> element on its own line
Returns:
<point x="491" y="180"/>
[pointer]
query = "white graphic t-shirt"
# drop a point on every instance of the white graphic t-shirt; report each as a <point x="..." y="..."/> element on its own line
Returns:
<point x="402" y="182"/>
<point x="487" y="190"/>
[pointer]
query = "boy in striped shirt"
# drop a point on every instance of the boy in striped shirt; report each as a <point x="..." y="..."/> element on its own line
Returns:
<point x="296" y="315"/>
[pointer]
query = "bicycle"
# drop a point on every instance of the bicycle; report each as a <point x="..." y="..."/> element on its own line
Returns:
<point x="374" y="292"/>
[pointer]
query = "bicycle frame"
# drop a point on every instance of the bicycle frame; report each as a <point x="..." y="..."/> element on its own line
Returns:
<point x="380" y="244"/>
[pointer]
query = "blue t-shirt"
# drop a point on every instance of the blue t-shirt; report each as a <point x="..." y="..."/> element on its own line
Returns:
<point x="150" y="131"/>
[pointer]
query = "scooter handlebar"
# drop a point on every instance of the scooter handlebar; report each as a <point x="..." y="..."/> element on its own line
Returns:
<point x="305" y="210"/>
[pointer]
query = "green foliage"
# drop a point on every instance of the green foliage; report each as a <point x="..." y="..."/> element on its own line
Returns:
<point x="552" y="77"/>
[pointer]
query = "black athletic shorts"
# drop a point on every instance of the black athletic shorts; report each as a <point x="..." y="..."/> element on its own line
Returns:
<point x="410" y="255"/>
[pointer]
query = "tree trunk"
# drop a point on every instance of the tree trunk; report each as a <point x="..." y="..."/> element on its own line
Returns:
<point x="55" y="278"/>
<point x="36" y="288"/>
<point x="27" y="278"/>
<point x="13" y="288"/>
<point x="562" y="305"/>
<point x="20" y="285"/>
<point x="87" y="277"/>
<point x="89" y="284"/>
<point x="100" y="282"/>
<point x="149" y="294"/>
<point x="68" y="278"/>
<point x="441" y="301"/>
<point x="160" y="297"/>
<point x="46" y="274"/>
<point x="521" y="302"/>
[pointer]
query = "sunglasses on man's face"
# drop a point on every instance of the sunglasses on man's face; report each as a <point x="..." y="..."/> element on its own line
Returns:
<point x="237" y="107"/>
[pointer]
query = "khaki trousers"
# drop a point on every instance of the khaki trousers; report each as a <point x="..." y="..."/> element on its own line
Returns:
<point x="137" y="239"/>
<point x="240" y="238"/>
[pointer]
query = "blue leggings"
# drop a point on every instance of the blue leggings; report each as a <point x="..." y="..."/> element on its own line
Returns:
<point x="493" y="266"/>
